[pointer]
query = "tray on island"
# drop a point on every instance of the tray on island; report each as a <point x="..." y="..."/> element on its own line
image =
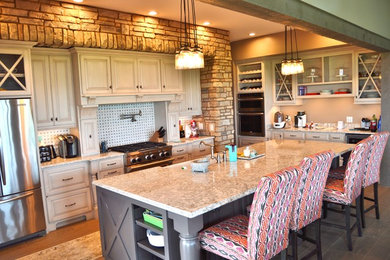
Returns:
<point x="250" y="158"/>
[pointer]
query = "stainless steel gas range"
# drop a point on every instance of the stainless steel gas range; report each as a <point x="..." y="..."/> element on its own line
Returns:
<point x="145" y="155"/>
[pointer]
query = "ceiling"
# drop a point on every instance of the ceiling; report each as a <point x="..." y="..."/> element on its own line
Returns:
<point x="239" y="25"/>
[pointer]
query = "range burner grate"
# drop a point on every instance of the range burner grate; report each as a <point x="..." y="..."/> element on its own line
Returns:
<point x="137" y="147"/>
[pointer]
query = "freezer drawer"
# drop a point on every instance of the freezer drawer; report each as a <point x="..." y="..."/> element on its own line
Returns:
<point x="21" y="215"/>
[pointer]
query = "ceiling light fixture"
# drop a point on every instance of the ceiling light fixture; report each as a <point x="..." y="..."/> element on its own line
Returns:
<point x="78" y="1"/>
<point x="190" y="55"/>
<point x="252" y="34"/>
<point x="292" y="65"/>
<point x="206" y="23"/>
<point x="152" y="13"/>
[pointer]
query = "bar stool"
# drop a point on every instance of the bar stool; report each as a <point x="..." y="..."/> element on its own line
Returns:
<point x="308" y="200"/>
<point x="265" y="233"/>
<point x="344" y="191"/>
<point x="372" y="173"/>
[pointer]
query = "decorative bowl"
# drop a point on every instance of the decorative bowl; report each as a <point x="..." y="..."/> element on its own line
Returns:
<point x="200" y="165"/>
<point x="155" y="239"/>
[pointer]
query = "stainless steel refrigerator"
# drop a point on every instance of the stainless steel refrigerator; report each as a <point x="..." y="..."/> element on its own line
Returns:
<point x="21" y="207"/>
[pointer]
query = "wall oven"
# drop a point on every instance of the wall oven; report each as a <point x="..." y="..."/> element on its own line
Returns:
<point x="250" y="116"/>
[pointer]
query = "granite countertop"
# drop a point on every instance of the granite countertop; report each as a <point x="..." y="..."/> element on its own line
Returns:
<point x="176" y="189"/>
<point x="60" y="161"/>
<point x="330" y="130"/>
<point x="190" y="140"/>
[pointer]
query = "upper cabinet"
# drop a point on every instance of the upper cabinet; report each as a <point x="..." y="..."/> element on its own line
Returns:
<point x="15" y="68"/>
<point x="53" y="89"/>
<point x="368" y="85"/>
<point x="284" y="91"/>
<point x="136" y="75"/>
<point x="250" y="77"/>
<point x="192" y="103"/>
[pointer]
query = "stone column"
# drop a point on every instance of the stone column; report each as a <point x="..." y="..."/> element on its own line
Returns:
<point x="385" y="106"/>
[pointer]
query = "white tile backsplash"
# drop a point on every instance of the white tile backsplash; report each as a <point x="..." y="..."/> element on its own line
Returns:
<point x="115" y="131"/>
<point x="49" y="137"/>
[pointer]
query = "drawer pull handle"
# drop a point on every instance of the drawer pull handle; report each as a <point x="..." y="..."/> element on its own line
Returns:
<point x="67" y="179"/>
<point x="293" y="135"/>
<point x="202" y="150"/>
<point x="181" y="150"/>
<point x="316" y="136"/>
<point x="111" y="164"/>
<point x="180" y="158"/>
<point x="70" y="205"/>
<point x="109" y="173"/>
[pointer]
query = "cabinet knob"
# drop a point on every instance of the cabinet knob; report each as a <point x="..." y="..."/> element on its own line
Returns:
<point x="90" y="136"/>
<point x="140" y="86"/>
<point x="163" y="86"/>
<point x="56" y="118"/>
<point x="51" y="119"/>
<point x="137" y="86"/>
<point x="110" y="87"/>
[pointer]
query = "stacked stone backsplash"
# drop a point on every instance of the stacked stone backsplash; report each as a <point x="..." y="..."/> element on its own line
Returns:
<point x="64" y="25"/>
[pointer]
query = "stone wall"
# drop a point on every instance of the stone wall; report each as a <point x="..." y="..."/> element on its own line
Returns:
<point x="62" y="25"/>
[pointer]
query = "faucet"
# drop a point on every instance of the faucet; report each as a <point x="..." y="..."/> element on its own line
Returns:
<point x="211" y="147"/>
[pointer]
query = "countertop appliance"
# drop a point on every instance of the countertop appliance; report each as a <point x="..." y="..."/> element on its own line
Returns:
<point x="279" y="121"/>
<point x="300" y="119"/>
<point x="46" y="153"/>
<point x="21" y="206"/>
<point x="145" y="155"/>
<point x="68" y="146"/>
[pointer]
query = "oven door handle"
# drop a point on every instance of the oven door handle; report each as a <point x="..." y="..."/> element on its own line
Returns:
<point x="251" y="114"/>
<point x="250" y="99"/>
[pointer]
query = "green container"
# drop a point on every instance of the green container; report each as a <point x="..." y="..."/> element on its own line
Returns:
<point x="153" y="220"/>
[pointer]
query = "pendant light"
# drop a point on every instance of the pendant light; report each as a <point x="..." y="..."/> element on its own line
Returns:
<point x="190" y="55"/>
<point x="292" y="65"/>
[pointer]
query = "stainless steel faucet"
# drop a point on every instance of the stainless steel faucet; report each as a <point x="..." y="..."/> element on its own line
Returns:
<point x="211" y="147"/>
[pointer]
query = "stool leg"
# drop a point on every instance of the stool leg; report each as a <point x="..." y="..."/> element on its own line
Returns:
<point x="348" y="226"/>
<point x="376" y="198"/>
<point x="294" y="243"/>
<point x="362" y="209"/>
<point x="318" y="239"/>
<point x="358" y="215"/>
<point x="325" y="209"/>
<point x="283" y="254"/>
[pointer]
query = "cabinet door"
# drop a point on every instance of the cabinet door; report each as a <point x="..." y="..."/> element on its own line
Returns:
<point x="62" y="91"/>
<point x="171" y="77"/>
<point x="96" y="75"/>
<point x="192" y="104"/>
<point x="89" y="137"/>
<point x="277" y="135"/>
<point x="173" y="133"/>
<point x="42" y="91"/>
<point x="124" y="75"/>
<point x="149" y="75"/>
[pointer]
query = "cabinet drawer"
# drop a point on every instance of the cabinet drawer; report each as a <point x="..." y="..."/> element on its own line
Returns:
<point x="179" y="150"/>
<point x="109" y="164"/>
<point x="199" y="150"/>
<point x="337" y="138"/>
<point x="294" y="135"/>
<point x="111" y="172"/>
<point x="277" y="135"/>
<point x="66" y="178"/>
<point x="69" y="204"/>
<point x="180" y="158"/>
<point x="317" y="136"/>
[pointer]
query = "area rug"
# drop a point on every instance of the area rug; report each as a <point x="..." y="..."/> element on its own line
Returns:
<point x="85" y="248"/>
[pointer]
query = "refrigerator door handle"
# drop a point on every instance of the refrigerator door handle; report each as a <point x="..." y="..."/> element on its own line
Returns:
<point x="2" y="173"/>
<point x="25" y="194"/>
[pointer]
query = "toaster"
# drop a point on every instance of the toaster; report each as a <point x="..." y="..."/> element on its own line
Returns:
<point x="68" y="146"/>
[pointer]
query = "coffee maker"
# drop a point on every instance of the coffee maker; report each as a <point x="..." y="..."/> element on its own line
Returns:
<point x="279" y="120"/>
<point x="300" y="119"/>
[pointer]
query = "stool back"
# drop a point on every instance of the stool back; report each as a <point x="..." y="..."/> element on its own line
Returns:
<point x="270" y="215"/>
<point x="308" y="200"/>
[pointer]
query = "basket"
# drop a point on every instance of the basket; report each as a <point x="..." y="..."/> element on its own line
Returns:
<point x="150" y="219"/>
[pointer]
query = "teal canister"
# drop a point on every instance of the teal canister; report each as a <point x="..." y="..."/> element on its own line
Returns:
<point x="232" y="153"/>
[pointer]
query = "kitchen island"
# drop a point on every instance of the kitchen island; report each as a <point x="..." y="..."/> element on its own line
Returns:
<point x="187" y="201"/>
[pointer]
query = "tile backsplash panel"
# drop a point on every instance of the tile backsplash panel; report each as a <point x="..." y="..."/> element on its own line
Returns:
<point x="116" y="131"/>
<point x="49" y="137"/>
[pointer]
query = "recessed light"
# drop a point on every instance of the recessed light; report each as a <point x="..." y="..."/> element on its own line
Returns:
<point x="252" y="34"/>
<point x="153" y="13"/>
<point x="206" y="23"/>
<point x="78" y="1"/>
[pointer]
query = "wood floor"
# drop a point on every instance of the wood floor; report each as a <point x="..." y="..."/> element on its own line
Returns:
<point x="374" y="245"/>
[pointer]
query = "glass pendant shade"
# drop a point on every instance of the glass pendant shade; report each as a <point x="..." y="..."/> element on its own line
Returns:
<point x="189" y="59"/>
<point x="292" y="66"/>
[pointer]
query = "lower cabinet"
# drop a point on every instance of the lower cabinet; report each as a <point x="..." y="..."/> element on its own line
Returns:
<point x="67" y="192"/>
<point x="192" y="150"/>
<point x="249" y="140"/>
<point x="315" y="136"/>
<point x="294" y="135"/>
<point x="337" y="138"/>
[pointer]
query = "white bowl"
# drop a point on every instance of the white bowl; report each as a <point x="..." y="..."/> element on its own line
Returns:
<point x="154" y="238"/>
<point x="200" y="165"/>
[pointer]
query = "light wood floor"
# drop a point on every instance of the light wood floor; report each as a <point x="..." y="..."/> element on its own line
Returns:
<point x="54" y="238"/>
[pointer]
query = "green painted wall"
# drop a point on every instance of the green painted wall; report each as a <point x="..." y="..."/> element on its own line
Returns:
<point x="373" y="15"/>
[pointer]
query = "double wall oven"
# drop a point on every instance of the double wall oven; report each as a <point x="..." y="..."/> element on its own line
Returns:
<point x="250" y="116"/>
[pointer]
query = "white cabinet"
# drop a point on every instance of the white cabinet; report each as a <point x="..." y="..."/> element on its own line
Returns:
<point x="124" y="75"/>
<point x="191" y="150"/>
<point x="173" y="133"/>
<point x="294" y="135"/>
<point x="149" y="75"/>
<point x="192" y="103"/>
<point x="317" y="136"/>
<point x="340" y="138"/>
<point x="277" y="135"/>
<point x="95" y="72"/>
<point x="67" y="192"/>
<point x="15" y="68"/>
<point x="89" y="137"/>
<point x="250" y="77"/>
<point x="53" y="90"/>
<point x="171" y="77"/>
<point x="284" y="87"/>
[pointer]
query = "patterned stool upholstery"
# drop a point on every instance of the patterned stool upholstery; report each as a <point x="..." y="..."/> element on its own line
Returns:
<point x="265" y="233"/>
<point x="308" y="200"/>
<point x="345" y="191"/>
